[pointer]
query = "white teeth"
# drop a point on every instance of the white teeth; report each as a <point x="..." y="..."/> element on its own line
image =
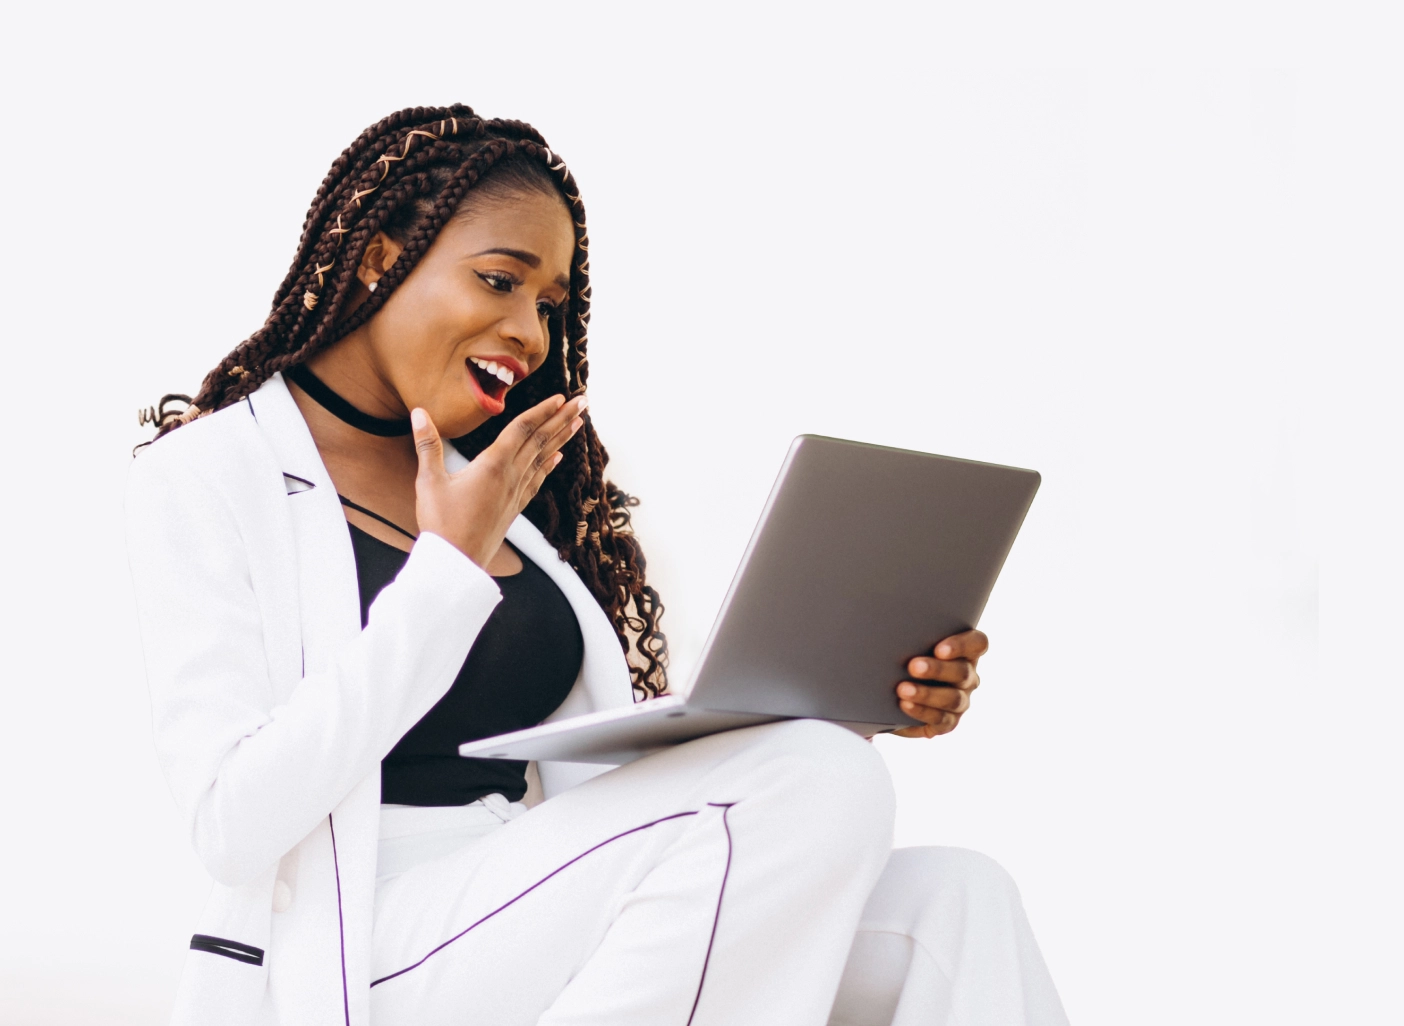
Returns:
<point x="498" y="371"/>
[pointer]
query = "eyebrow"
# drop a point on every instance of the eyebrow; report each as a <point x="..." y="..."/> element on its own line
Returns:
<point x="530" y="259"/>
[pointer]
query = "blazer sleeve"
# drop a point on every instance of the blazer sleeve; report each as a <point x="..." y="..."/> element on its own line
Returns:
<point x="253" y="773"/>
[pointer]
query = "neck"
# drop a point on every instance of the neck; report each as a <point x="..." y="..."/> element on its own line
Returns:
<point x="337" y="439"/>
<point x="348" y="370"/>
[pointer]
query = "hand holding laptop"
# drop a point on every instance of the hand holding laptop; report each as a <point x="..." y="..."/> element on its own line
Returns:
<point x="941" y="706"/>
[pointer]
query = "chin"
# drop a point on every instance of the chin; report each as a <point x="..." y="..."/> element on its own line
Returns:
<point x="459" y="421"/>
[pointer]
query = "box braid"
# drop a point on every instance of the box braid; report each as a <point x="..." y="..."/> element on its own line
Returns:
<point x="408" y="176"/>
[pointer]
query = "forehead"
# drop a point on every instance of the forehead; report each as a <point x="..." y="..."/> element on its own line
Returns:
<point x="532" y="220"/>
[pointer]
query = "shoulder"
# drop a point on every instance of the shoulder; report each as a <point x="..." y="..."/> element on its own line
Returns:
<point x="223" y="448"/>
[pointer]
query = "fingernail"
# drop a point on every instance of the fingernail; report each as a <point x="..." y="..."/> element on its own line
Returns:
<point x="906" y="690"/>
<point x="418" y="419"/>
<point x="576" y="424"/>
<point x="584" y="402"/>
<point x="923" y="665"/>
<point x="943" y="651"/>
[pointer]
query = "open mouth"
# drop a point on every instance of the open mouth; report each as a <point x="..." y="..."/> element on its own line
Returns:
<point x="493" y="380"/>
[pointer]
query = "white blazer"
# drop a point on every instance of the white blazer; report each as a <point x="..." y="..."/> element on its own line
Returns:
<point x="273" y="708"/>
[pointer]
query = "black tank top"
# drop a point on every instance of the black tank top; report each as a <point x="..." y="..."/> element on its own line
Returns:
<point x="518" y="672"/>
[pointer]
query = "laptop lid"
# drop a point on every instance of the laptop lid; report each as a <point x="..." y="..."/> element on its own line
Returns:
<point x="864" y="557"/>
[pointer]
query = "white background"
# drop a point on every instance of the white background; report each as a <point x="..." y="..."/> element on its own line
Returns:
<point x="1152" y="250"/>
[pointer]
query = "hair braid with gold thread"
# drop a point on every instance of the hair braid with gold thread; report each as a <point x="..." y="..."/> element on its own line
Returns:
<point x="408" y="175"/>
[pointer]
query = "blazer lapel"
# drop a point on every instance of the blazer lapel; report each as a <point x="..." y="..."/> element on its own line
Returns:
<point x="329" y="595"/>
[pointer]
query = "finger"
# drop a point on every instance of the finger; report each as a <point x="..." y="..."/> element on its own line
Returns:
<point x="525" y="425"/>
<point x="546" y="462"/>
<point x="547" y="457"/>
<point x="944" y="725"/>
<point x="549" y="435"/>
<point x="533" y="484"/>
<point x="909" y="693"/>
<point x="966" y="645"/>
<point x="960" y="672"/>
<point x="427" y="445"/>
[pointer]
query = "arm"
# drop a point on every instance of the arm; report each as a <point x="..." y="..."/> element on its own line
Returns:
<point x="253" y="775"/>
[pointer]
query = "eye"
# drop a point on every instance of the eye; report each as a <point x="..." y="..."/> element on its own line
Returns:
<point x="545" y="309"/>
<point x="497" y="281"/>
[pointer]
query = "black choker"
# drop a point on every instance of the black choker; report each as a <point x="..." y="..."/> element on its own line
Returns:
<point x="341" y="409"/>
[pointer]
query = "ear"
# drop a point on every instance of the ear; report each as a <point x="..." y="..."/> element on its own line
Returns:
<point x="381" y="253"/>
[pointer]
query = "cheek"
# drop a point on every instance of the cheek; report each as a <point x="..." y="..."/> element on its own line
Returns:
<point x="445" y="309"/>
<point x="425" y="322"/>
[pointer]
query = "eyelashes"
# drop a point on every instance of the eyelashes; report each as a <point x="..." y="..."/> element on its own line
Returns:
<point x="505" y="283"/>
<point x="497" y="281"/>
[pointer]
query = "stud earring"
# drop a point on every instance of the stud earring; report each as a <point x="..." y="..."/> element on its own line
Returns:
<point x="371" y="286"/>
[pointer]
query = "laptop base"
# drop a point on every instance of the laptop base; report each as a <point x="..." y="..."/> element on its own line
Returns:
<point x="617" y="736"/>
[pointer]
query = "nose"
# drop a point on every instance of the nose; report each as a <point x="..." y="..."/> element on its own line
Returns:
<point x="527" y="331"/>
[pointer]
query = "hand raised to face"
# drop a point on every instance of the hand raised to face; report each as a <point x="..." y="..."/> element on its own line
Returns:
<point x="473" y="508"/>
<point x="951" y="666"/>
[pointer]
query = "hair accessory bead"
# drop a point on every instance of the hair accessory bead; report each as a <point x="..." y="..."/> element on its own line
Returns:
<point x="580" y="530"/>
<point x="309" y="299"/>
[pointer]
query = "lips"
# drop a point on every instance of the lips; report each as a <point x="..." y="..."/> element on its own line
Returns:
<point x="491" y="378"/>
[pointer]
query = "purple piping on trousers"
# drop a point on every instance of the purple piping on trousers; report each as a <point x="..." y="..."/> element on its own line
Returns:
<point x="721" y="892"/>
<point x="340" y="923"/>
<point x="523" y="894"/>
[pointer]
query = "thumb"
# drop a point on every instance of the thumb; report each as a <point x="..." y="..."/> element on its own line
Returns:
<point x="428" y="445"/>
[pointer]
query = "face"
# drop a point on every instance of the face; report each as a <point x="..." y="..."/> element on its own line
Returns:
<point x="470" y="321"/>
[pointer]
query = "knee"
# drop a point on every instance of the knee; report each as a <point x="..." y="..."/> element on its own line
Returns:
<point x="835" y="766"/>
<point x="944" y="874"/>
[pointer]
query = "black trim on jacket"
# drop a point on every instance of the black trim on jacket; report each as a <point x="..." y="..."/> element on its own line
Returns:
<point x="228" y="948"/>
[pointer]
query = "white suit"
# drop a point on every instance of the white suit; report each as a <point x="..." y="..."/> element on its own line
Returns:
<point x="273" y="710"/>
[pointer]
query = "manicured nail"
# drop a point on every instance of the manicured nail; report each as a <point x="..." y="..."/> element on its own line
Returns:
<point x="584" y="402"/>
<point x="906" y="690"/>
<point x="418" y="419"/>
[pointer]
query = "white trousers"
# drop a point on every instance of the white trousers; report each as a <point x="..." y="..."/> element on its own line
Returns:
<point x="733" y="880"/>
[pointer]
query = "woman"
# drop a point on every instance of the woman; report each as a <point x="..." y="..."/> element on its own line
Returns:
<point x="332" y="599"/>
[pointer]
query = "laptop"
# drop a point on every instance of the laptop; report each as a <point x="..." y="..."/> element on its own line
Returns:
<point x="864" y="557"/>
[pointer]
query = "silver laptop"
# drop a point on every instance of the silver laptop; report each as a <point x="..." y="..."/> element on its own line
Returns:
<point x="864" y="557"/>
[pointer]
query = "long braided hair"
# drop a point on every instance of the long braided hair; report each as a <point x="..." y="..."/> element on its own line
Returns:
<point x="408" y="175"/>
